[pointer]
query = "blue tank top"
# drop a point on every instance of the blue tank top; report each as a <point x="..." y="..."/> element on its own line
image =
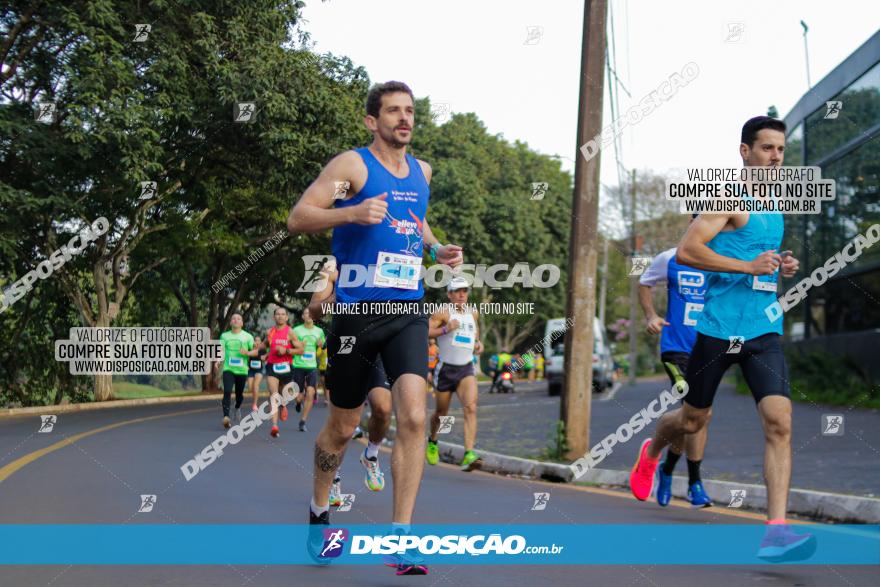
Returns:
<point x="735" y="302"/>
<point x="382" y="262"/>
<point x="686" y="288"/>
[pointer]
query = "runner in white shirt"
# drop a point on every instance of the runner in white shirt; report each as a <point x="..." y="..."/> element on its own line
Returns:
<point x="458" y="338"/>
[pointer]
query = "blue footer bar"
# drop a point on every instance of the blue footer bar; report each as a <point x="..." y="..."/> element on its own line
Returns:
<point x="529" y="544"/>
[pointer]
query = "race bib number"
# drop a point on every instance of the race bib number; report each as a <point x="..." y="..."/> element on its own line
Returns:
<point x="395" y="270"/>
<point x="691" y="312"/>
<point x="256" y="364"/>
<point x="281" y="368"/>
<point x="236" y="362"/>
<point x="463" y="341"/>
<point x="764" y="282"/>
<point x="309" y="357"/>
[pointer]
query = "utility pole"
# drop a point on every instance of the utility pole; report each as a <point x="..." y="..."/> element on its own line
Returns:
<point x="633" y="286"/>
<point x="807" y="54"/>
<point x="581" y="303"/>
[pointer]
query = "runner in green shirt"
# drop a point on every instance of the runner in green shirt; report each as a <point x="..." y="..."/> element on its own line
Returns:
<point x="236" y="345"/>
<point x="529" y="366"/>
<point x="305" y="366"/>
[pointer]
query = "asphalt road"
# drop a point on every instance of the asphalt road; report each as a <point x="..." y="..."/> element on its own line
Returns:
<point x="99" y="477"/>
<point x="522" y="424"/>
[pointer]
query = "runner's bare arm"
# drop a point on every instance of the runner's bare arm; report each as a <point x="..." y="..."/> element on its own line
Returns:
<point x="436" y="323"/>
<point x="426" y="170"/>
<point x="450" y="255"/>
<point x="314" y="211"/>
<point x="693" y="250"/>
<point x="297" y="347"/>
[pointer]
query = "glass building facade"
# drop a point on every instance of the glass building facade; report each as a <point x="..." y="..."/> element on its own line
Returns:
<point x="843" y="315"/>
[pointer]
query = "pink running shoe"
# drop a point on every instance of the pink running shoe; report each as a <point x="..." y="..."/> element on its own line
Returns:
<point x="641" y="479"/>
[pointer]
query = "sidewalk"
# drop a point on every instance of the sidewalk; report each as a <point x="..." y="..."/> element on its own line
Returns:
<point x="522" y="424"/>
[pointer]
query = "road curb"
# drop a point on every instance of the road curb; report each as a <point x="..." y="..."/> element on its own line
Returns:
<point x="122" y="403"/>
<point x="805" y="502"/>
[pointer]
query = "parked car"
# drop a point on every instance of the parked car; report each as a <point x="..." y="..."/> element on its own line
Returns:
<point x="554" y="357"/>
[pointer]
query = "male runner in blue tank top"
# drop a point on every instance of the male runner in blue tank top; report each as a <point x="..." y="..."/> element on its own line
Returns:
<point x="685" y="288"/>
<point x="742" y="253"/>
<point x="375" y="199"/>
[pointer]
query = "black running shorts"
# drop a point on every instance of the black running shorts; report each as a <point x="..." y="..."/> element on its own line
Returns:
<point x="675" y="363"/>
<point x="355" y="341"/>
<point x="760" y="359"/>
<point x="449" y="376"/>
<point x="305" y="378"/>
<point x="283" y="378"/>
<point x="378" y="377"/>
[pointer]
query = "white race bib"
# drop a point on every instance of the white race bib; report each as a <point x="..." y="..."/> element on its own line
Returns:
<point x="281" y="368"/>
<point x="236" y="362"/>
<point x="462" y="340"/>
<point x="308" y="357"/>
<point x="691" y="308"/>
<point x="396" y="270"/>
<point x="256" y="364"/>
<point x="764" y="282"/>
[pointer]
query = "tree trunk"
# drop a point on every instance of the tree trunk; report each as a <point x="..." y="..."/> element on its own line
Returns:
<point x="103" y="387"/>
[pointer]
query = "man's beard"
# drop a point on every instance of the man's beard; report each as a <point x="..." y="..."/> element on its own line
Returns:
<point x="394" y="142"/>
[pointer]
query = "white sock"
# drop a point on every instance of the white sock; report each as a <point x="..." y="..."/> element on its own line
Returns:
<point x="317" y="509"/>
<point x="372" y="450"/>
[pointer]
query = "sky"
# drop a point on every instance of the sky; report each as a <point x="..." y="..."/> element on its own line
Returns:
<point x="478" y="56"/>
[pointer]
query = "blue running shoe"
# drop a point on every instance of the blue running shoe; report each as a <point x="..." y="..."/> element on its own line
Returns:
<point x="664" y="488"/>
<point x="698" y="496"/>
<point x="316" y="539"/>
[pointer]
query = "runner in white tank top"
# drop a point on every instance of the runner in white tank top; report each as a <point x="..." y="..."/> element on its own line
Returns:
<point x="458" y="338"/>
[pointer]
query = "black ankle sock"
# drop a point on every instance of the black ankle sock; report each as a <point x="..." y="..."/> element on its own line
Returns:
<point x="669" y="463"/>
<point x="693" y="471"/>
